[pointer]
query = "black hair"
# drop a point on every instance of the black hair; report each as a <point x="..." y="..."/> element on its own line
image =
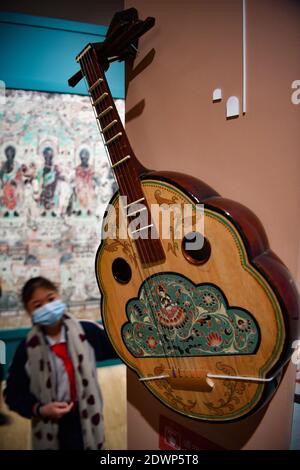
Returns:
<point x="33" y="284"/>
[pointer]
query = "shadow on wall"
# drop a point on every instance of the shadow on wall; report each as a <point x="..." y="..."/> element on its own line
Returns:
<point x="132" y="72"/>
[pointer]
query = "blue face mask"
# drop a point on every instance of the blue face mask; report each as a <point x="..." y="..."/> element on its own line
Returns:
<point x="49" y="314"/>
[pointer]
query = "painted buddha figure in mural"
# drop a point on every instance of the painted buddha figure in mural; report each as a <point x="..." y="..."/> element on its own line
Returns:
<point x="11" y="181"/>
<point x="85" y="183"/>
<point x="49" y="177"/>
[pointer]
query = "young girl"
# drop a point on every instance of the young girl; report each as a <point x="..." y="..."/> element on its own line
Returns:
<point x="53" y="379"/>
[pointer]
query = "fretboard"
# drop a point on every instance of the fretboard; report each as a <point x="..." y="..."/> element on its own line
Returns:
<point x="122" y="158"/>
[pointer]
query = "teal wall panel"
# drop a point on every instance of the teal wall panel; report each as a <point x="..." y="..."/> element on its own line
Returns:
<point x="39" y="53"/>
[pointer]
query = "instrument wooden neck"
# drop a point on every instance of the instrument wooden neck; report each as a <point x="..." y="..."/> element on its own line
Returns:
<point x="124" y="163"/>
<point x="112" y="128"/>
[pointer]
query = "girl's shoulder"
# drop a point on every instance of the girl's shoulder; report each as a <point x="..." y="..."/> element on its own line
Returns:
<point x="20" y="356"/>
<point x="21" y="350"/>
<point x="98" y="339"/>
<point x="90" y="327"/>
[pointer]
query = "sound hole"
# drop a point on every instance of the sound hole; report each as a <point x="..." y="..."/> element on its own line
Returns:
<point x="196" y="248"/>
<point x="121" y="270"/>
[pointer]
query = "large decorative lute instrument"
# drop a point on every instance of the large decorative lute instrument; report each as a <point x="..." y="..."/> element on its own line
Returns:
<point x="205" y="318"/>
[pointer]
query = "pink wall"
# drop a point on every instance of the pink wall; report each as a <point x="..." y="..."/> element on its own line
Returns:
<point x="253" y="159"/>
